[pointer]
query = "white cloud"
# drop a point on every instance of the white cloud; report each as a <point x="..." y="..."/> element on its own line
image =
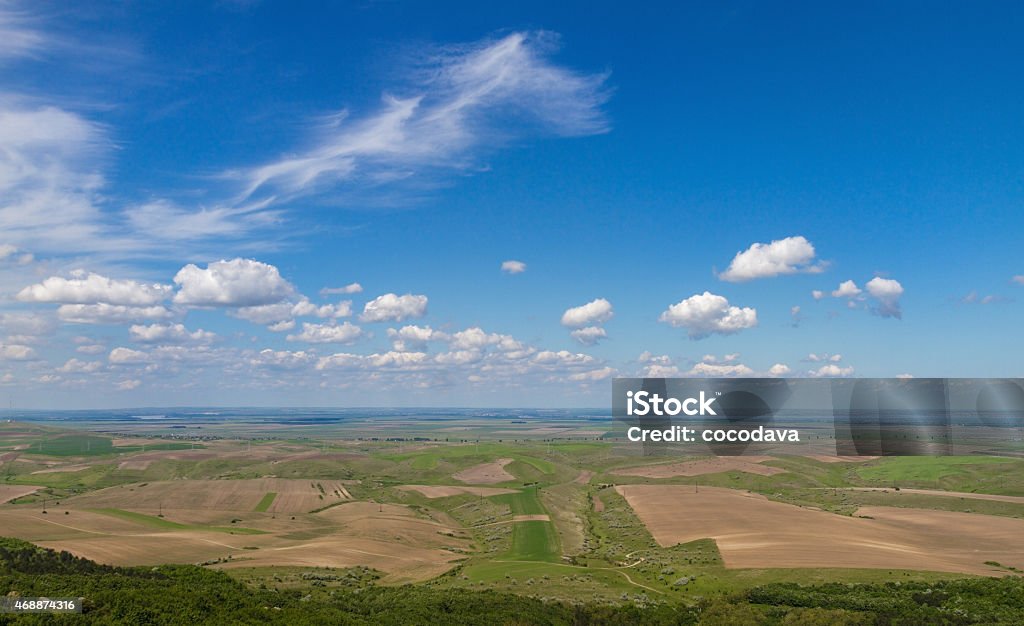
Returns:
<point x="764" y="260"/>
<point x="819" y="358"/>
<point x="49" y="182"/>
<point x="656" y="370"/>
<point x="127" y="355"/>
<point x="888" y="292"/>
<point x="283" y="359"/>
<point x="795" y="316"/>
<point x="456" y="106"/>
<point x="649" y="357"/>
<point x="13" y="254"/>
<point x="476" y="338"/>
<point x="280" y="314"/>
<point x="111" y="313"/>
<point x="34" y="324"/>
<point x="562" y="357"/>
<point x="91" y="348"/>
<point x="707" y="313"/>
<point x="169" y="333"/>
<point x="16" y="352"/>
<point x="80" y="367"/>
<point x="589" y="335"/>
<point x="385" y="361"/>
<point x="162" y="220"/>
<point x="831" y="370"/>
<point x="271" y="313"/>
<point x="18" y="37"/>
<point x="973" y="297"/>
<point x="720" y="370"/>
<point x="392" y="307"/>
<point x="1019" y="279"/>
<point x="91" y="288"/>
<point x="817" y="294"/>
<point x="728" y="367"/>
<point x="593" y="375"/>
<point x="847" y="289"/>
<point x="513" y="267"/>
<point x="347" y="289"/>
<point x="235" y="283"/>
<point x="414" y="338"/>
<point x="328" y="333"/>
<point x="128" y="385"/>
<point x="594" y="312"/>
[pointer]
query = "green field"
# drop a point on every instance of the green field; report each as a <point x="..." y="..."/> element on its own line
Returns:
<point x="265" y="502"/>
<point x="154" y="521"/>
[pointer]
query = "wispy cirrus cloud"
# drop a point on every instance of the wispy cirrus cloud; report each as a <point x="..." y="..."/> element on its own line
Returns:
<point x="461" y="102"/>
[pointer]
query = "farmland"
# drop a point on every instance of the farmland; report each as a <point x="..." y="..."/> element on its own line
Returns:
<point x="550" y="517"/>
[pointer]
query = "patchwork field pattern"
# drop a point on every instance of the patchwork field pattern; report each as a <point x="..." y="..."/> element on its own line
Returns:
<point x="755" y="532"/>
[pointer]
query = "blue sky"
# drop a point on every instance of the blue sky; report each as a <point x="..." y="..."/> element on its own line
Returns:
<point x="714" y="189"/>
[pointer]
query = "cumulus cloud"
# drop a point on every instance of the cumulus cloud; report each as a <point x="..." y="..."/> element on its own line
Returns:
<point x="282" y="314"/>
<point x="711" y="366"/>
<point x="328" y="333"/>
<point x="846" y="289"/>
<point x="33" y="324"/>
<point x="476" y="338"/>
<point x="128" y="385"/>
<point x="169" y="333"/>
<point x="720" y="370"/>
<point x="384" y="361"/>
<point x="80" y="367"/>
<point x="589" y="335"/>
<point x="111" y="313"/>
<point x="707" y="313"/>
<point x="414" y="338"/>
<point x="817" y="294"/>
<point x="791" y="255"/>
<point x="594" y="312"/>
<point x="122" y="355"/>
<point x="887" y="292"/>
<point x="395" y="308"/>
<point x="562" y="358"/>
<point x="347" y="289"/>
<point x="91" y="288"/>
<point x="819" y="358"/>
<point x="16" y="352"/>
<point x="657" y="366"/>
<point x="235" y="283"/>
<point x="1019" y="279"/>
<point x="283" y="359"/>
<point x="594" y="375"/>
<point x="458" y="103"/>
<point x="513" y="267"/>
<point x="831" y="370"/>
